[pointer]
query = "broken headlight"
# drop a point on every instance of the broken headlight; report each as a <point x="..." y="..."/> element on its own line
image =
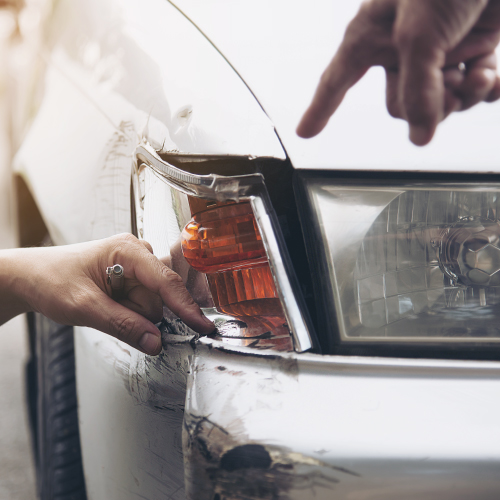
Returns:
<point x="219" y="233"/>
<point x="404" y="263"/>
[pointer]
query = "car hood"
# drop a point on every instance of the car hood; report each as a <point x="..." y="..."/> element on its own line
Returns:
<point x="280" y="49"/>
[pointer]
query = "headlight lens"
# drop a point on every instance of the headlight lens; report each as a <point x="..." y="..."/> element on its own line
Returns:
<point x="408" y="263"/>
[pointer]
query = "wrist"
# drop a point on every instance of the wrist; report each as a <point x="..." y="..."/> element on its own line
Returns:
<point x="15" y="282"/>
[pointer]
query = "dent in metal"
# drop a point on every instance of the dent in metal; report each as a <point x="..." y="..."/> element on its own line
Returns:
<point x="220" y="466"/>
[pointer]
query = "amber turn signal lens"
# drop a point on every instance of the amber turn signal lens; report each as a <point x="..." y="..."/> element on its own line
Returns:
<point x="245" y="292"/>
<point x="225" y="244"/>
<point x="223" y="238"/>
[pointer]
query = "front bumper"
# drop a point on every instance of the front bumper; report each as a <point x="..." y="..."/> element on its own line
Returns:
<point x="261" y="426"/>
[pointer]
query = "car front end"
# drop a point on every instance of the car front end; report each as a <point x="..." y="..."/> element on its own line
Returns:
<point x="352" y="278"/>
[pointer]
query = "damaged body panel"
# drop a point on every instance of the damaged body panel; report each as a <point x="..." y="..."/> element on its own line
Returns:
<point x="111" y="81"/>
<point x="131" y="413"/>
<point x="303" y="426"/>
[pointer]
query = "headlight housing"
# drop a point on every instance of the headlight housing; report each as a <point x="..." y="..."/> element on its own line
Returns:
<point x="404" y="263"/>
<point x="221" y="235"/>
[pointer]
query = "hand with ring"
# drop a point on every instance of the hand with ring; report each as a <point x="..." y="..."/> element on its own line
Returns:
<point x="115" y="285"/>
<point x="439" y="57"/>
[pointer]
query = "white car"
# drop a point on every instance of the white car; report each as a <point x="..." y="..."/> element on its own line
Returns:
<point x="353" y="277"/>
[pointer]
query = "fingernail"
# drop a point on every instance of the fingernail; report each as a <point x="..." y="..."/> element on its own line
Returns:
<point x="150" y="343"/>
<point x="419" y="135"/>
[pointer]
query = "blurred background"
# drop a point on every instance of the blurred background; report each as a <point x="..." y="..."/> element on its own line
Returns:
<point x="17" y="478"/>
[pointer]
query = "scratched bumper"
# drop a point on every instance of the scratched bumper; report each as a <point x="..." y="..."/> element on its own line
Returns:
<point x="305" y="426"/>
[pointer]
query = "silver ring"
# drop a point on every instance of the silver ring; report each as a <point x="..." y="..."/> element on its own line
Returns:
<point x="462" y="67"/>
<point x="115" y="277"/>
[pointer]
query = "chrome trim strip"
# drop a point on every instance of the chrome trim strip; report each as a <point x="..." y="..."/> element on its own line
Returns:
<point x="218" y="187"/>
<point x="370" y="365"/>
<point x="296" y="321"/>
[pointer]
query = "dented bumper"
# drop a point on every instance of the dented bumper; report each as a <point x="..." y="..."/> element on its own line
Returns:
<point x="267" y="426"/>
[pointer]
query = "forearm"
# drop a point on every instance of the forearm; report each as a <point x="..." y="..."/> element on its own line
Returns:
<point x="69" y="285"/>
<point x="13" y="266"/>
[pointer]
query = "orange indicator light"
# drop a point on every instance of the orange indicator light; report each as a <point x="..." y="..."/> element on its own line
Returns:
<point x="223" y="238"/>
<point x="225" y="243"/>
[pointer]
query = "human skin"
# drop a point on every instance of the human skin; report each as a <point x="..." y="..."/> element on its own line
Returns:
<point x="69" y="285"/>
<point x="421" y="45"/>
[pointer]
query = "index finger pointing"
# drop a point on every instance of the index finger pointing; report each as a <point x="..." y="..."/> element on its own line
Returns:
<point x="367" y="42"/>
<point x="340" y="75"/>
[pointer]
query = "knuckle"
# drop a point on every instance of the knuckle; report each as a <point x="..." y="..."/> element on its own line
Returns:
<point x="405" y="38"/>
<point x="326" y="81"/>
<point x="171" y="277"/>
<point x="174" y="286"/>
<point x="147" y="245"/>
<point x="402" y="38"/>
<point x="122" y="243"/>
<point x="482" y="81"/>
<point x="125" y="239"/>
<point x="122" y="327"/>
<point x="417" y="115"/>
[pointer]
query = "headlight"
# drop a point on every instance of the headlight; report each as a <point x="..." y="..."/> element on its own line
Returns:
<point x="404" y="263"/>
